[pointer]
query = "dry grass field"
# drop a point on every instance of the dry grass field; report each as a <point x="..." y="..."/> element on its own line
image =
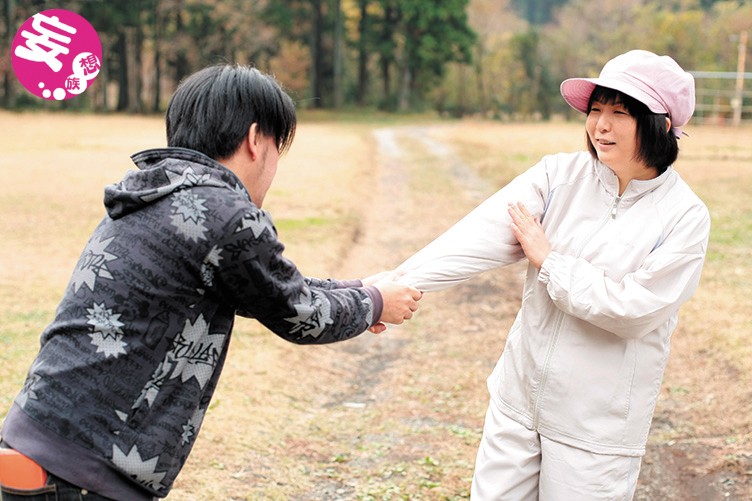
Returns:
<point x="395" y="416"/>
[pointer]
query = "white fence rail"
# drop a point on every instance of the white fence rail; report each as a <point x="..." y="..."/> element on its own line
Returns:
<point x="720" y="98"/>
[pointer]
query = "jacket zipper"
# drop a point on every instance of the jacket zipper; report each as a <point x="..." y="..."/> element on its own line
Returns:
<point x="614" y="206"/>
<point x="544" y="374"/>
<point x="560" y="317"/>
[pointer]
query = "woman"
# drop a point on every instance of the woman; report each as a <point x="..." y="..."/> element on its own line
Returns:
<point x="616" y="242"/>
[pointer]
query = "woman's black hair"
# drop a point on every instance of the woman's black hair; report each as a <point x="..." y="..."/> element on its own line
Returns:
<point x="656" y="146"/>
<point x="213" y="109"/>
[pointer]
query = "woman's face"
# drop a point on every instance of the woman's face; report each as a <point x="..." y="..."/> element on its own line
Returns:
<point x="613" y="133"/>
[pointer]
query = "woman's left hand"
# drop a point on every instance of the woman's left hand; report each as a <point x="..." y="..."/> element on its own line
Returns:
<point x="529" y="232"/>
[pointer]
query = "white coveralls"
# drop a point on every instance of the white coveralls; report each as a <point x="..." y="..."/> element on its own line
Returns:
<point x="584" y="360"/>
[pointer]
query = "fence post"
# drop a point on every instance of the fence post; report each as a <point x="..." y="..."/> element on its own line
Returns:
<point x="739" y="96"/>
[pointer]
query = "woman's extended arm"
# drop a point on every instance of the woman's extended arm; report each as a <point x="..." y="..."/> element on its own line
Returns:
<point x="481" y="241"/>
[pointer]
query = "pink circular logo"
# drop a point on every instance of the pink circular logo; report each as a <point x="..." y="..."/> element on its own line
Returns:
<point x="56" y="54"/>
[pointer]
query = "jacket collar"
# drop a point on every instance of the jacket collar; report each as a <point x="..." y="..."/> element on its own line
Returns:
<point x="147" y="158"/>
<point x="636" y="188"/>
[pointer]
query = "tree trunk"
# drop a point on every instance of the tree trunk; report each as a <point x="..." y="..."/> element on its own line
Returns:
<point x="406" y="71"/>
<point x="157" y="104"/>
<point x="387" y="58"/>
<point x="386" y="78"/>
<point x="535" y="101"/>
<point x="338" y="54"/>
<point x="181" y="61"/>
<point x="99" y="92"/>
<point x="317" y="55"/>
<point x="137" y="102"/>
<point x="479" y="76"/>
<point x="9" y="10"/>
<point x="461" y="94"/>
<point x="122" y="55"/>
<point x="363" y="54"/>
<point x="405" y="87"/>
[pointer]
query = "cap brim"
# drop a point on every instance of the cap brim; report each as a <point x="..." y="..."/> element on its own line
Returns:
<point x="576" y="92"/>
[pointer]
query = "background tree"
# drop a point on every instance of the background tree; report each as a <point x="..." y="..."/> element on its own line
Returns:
<point x="122" y="26"/>
<point x="309" y="24"/>
<point x="364" y="42"/>
<point x="7" y="33"/>
<point x="499" y="58"/>
<point x="537" y="11"/>
<point x="435" y="33"/>
<point x="386" y="47"/>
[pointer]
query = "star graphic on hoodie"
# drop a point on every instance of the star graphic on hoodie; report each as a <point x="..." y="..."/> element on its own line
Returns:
<point x="257" y="222"/>
<point x="145" y="471"/>
<point x="240" y="190"/>
<point x="313" y="314"/>
<point x="190" y="429"/>
<point x="28" y="388"/>
<point x="92" y="264"/>
<point x="211" y="263"/>
<point x="107" y="335"/>
<point x="151" y="390"/>
<point x="175" y="180"/>
<point x="188" y="215"/>
<point x="196" y="352"/>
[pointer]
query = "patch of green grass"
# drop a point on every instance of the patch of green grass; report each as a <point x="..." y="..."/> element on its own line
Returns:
<point x="733" y="230"/>
<point x="285" y="224"/>
<point x="19" y="342"/>
<point x="29" y="316"/>
<point x="18" y="328"/>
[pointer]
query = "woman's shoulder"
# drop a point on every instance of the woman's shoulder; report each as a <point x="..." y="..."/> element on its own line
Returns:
<point x="679" y="194"/>
<point x="566" y="167"/>
<point x="573" y="160"/>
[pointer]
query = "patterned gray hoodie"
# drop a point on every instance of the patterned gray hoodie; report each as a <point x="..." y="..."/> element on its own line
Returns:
<point x="115" y="398"/>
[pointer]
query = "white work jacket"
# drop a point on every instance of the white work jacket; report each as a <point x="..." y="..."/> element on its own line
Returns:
<point x="585" y="357"/>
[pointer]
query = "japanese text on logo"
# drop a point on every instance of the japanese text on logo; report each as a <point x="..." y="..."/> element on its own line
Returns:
<point x="56" y="54"/>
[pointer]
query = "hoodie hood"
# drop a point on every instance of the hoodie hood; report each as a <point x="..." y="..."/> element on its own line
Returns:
<point x="163" y="171"/>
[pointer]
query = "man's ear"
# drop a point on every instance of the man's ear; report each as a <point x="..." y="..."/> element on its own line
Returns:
<point x="668" y="124"/>
<point x="253" y="140"/>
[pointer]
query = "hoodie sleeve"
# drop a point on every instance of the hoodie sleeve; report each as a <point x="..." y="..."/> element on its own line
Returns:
<point x="330" y="283"/>
<point x="247" y="270"/>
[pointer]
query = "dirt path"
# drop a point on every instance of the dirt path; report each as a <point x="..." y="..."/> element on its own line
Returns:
<point x="421" y="387"/>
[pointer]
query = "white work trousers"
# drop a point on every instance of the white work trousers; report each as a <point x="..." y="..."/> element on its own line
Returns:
<point x="517" y="464"/>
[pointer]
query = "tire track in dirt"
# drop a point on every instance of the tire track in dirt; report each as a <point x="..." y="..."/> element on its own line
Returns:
<point x="396" y="225"/>
<point x="420" y="187"/>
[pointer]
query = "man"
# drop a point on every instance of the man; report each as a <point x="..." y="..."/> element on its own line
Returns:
<point x="114" y="400"/>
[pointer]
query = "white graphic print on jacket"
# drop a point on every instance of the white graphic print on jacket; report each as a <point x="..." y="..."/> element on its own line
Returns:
<point x="93" y="264"/>
<point x="143" y="469"/>
<point x="189" y="214"/>
<point x="107" y="335"/>
<point x="194" y="354"/>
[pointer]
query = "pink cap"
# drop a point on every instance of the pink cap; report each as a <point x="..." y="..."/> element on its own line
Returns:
<point x="656" y="81"/>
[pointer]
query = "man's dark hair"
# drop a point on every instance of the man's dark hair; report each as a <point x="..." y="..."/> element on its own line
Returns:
<point x="656" y="146"/>
<point x="213" y="109"/>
